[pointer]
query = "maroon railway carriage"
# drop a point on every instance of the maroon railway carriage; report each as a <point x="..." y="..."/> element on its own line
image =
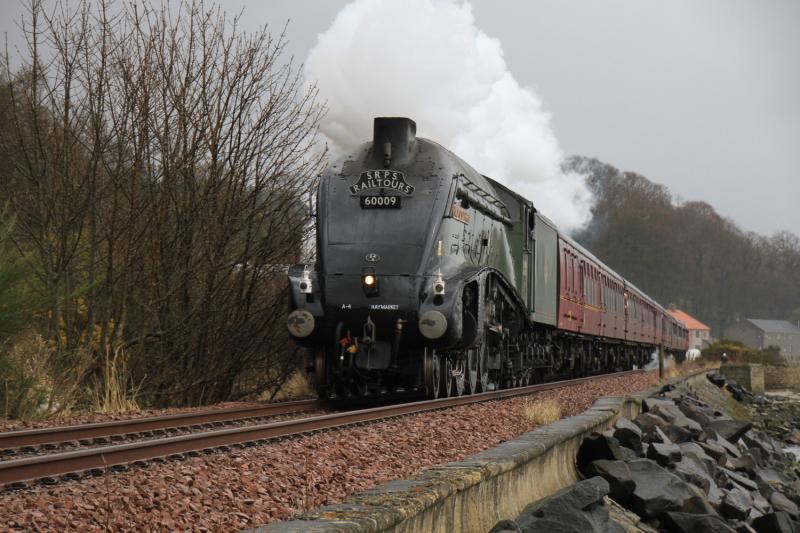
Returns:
<point x="596" y="301"/>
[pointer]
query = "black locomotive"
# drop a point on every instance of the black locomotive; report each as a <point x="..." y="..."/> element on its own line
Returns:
<point x="430" y="276"/>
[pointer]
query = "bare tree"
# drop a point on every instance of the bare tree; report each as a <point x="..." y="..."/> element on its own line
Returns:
<point x="160" y="162"/>
<point x="687" y="253"/>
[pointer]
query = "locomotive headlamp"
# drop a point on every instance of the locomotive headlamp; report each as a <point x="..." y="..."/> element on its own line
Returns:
<point x="300" y="323"/>
<point x="304" y="284"/>
<point x="432" y="324"/>
<point x="438" y="285"/>
<point x="369" y="281"/>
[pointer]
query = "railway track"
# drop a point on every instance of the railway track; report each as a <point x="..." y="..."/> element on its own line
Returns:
<point x="33" y="440"/>
<point x="49" y="469"/>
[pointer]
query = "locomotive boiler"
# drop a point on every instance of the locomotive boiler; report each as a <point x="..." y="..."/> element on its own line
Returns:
<point x="432" y="277"/>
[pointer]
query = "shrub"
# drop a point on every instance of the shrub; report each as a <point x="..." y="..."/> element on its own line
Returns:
<point x="737" y="352"/>
<point x="542" y="412"/>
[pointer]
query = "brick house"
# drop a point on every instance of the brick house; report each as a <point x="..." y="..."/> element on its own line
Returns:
<point x="758" y="333"/>
<point x="699" y="333"/>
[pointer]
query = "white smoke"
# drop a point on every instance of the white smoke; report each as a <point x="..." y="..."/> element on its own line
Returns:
<point x="426" y="60"/>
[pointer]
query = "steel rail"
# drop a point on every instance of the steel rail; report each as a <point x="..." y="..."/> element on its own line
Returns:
<point x="60" y="434"/>
<point x="70" y="463"/>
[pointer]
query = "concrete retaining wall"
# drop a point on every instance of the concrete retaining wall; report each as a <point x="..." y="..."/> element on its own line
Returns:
<point x="474" y="494"/>
<point x="749" y="376"/>
<point x="782" y="377"/>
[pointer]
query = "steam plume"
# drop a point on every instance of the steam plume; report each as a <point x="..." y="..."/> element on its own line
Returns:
<point x="426" y="59"/>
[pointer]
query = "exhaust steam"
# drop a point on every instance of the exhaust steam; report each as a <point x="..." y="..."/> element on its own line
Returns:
<point x="427" y="60"/>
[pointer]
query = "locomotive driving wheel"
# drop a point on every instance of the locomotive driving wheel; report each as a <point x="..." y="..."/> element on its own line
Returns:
<point x="459" y="378"/>
<point x="483" y="367"/>
<point x="320" y="376"/>
<point x="447" y="376"/>
<point x="472" y="369"/>
<point x="432" y="373"/>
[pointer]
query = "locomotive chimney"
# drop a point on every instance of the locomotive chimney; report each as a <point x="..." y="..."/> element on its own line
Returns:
<point x="396" y="136"/>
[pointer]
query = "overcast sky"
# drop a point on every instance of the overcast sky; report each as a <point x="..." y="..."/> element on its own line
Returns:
<point x="703" y="97"/>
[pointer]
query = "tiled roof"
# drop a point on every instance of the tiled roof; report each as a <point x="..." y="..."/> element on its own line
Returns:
<point x="774" y="326"/>
<point x="688" y="320"/>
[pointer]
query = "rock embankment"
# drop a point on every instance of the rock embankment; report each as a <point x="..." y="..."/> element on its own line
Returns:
<point x="780" y="417"/>
<point x="681" y="465"/>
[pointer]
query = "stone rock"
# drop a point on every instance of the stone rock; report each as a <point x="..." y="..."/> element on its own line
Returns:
<point x="715" y="450"/>
<point x="779" y="522"/>
<point x="730" y="449"/>
<point x="763" y="442"/>
<point x="743" y="481"/>
<point x="739" y="393"/>
<point x="731" y="430"/>
<point x="759" y="455"/>
<point x="506" y="526"/>
<point x="696" y="451"/>
<point x="575" y="509"/>
<point x="714" y="495"/>
<point x="752" y="514"/>
<point x="618" y="476"/>
<point x="628" y="454"/>
<point x="667" y="434"/>
<point x="595" y="447"/>
<point x="658" y="491"/>
<point x="701" y="415"/>
<point x="664" y="454"/>
<point x="741" y="527"/>
<point x="627" y="433"/>
<point x="629" y="521"/>
<point x="653" y="403"/>
<point x="745" y="463"/>
<point x="771" y="478"/>
<point x="659" y="435"/>
<point x="736" y="503"/>
<point x="760" y="502"/>
<point x="716" y="378"/>
<point x="695" y="471"/>
<point x="694" y="523"/>
<point x="648" y="421"/>
<point x="780" y="502"/>
<point x="674" y="416"/>
<point x="672" y="395"/>
<point x="676" y="433"/>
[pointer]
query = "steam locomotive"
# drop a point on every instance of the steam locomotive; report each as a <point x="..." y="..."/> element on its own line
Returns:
<point x="432" y="277"/>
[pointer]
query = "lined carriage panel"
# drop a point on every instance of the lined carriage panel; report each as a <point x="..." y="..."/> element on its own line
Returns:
<point x="546" y="290"/>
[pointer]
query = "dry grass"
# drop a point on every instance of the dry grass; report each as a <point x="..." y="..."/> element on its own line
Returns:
<point x="542" y="412"/>
<point x="688" y="367"/>
<point x="297" y="386"/>
<point x="38" y="381"/>
<point x="114" y="392"/>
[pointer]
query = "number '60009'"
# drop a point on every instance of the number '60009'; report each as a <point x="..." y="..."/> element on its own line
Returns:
<point x="380" y="200"/>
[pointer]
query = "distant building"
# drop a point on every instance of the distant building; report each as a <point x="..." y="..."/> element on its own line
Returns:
<point x="758" y="333"/>
<point x="699" y="333"/>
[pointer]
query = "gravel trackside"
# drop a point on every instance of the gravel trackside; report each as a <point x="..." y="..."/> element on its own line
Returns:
<point x="226" y="492"/>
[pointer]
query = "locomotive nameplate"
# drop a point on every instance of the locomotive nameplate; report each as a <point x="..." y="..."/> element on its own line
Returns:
<point x="380" y="202"/>
<point x="460" y="214"/>
<point x="382" y="180"/>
